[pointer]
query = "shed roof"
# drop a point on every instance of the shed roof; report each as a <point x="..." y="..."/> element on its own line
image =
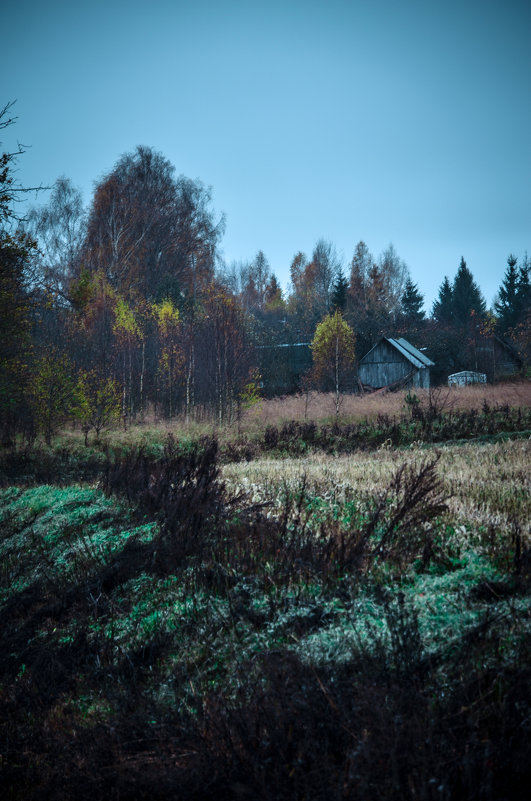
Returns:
<point x="415" y="353"/>
<point x="406" y="349"/>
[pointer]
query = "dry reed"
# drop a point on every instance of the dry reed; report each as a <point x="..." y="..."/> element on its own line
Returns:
<point x="318" y="406"/>
<point x="489" y="484"/>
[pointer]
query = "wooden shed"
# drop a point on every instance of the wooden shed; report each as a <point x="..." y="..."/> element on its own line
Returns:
<point x="497" y="358"/>
<point x="395" y="362"/>
<point x="282" y="367"/>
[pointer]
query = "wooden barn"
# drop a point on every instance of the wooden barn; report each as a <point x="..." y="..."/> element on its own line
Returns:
<point x="282" y="367"/>
<point x="395" y="362"/>
<point x="496" y="358"/>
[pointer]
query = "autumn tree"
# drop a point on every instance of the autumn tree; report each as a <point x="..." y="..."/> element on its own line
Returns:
<point x="152" y="233"/>
<point x="255" y="282"/>
<point x="15" y="333"/>
<point x="171" y="356"/>
<point x="97" y="402"/>
<point x="93" y="325"/>
<point x="274" y="299"/>
<point x="395" y="274"/>
<point x="357" y="309"/>
<point x="275" y="313"/>
<point x="227" y="362"/>
<point x="59" y="228"/>
<point x="311" y="288"/>
<point x="375" y="294"/>
<point x="326" y="265"/>
<point x="52" y="392"/>
<point x="302" y="308"/>
<point x="333" y="353"/>
<point x="127" y="337"/>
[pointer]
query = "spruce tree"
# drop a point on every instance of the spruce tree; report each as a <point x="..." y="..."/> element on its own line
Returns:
<point x="338" y="300"/>
<point x="524" y="291"/>
<point x="443" y="308"/>
<point x="411" y="304"/>
<point x="466" y="296"/>
<point x="506" y="307"/>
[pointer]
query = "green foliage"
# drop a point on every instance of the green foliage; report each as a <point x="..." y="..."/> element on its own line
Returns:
<point x="97" y="402"/>
<point x="82" y="290"/>
<point x="125" y="324"/>
<point x="411" y="305"/>
<point x="52" y="392"/>
<point x="15" y="328"/>
<point x="443" y="310"/>
<point x="360" y="627"/>
<point x="333" y="352"/>
<point x="514" y="297"/>
<point x="250" y="394"/>
<point x="460" y="301"/>
<point x="338" y="301"/>
<point x="467" y="299"/>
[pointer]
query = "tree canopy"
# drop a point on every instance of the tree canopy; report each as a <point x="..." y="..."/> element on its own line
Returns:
<point x="333" y="351"/>
<point x="126" y="307"/>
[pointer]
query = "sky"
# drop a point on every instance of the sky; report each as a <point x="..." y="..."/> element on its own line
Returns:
<point x="388" y="121"/>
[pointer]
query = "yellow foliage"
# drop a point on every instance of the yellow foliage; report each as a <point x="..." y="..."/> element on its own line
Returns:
<point x="333" y="343"/>
<point x="124" y="320"/>
<point x="166" y="315"/>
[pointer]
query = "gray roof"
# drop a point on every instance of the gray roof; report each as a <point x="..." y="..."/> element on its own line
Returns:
<point x="406" y="349"/>
<point x="413" y="352"/>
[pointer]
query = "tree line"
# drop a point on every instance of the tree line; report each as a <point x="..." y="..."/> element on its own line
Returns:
<point x="109" y="311"/>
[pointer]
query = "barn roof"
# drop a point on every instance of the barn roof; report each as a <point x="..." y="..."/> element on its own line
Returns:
<point x="406" y="349"/>
<point x="414" y="352"/>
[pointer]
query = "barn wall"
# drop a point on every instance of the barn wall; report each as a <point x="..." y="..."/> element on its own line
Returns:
<point x="382" y="374"/>
<point x="282" y="366"/>
<point x="494" y="359"/>
<point x="423" y="377"/>
<point x="384" y="365"/>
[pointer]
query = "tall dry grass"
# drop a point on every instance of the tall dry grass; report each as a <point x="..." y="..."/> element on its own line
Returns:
<point x="489" y="485"/>
<point x="317" y="406"/>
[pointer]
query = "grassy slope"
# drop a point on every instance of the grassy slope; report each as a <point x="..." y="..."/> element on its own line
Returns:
<point x="222" y="670"/>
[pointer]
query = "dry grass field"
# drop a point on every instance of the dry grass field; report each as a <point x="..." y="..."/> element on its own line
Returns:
<point x="488" y="485"/>
<point x="315" y="407"/>
<point x="318" y="406"/>
<point x="191" y="621"/>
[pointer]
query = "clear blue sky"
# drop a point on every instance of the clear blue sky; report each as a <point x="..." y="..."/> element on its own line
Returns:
<point x="383" y="120"/>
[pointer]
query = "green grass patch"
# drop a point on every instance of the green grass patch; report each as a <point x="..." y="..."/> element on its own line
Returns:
<point x="187" y="641"/>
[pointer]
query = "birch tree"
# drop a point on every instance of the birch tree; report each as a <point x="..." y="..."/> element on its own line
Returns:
<point x="333" y="351"/>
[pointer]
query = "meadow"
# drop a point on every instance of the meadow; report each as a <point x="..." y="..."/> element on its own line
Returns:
<point x="295" y="608"/>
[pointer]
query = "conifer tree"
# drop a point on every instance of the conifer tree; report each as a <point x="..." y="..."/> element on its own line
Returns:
<point x="339" y="292"/>
<point x="466" y="296"/>
<point x="17" y="250"/>
<point x="411" y="304"/>
<point x="506" y="307"/>
<point x="524" y="290"/>
<point x="442" y="310"/>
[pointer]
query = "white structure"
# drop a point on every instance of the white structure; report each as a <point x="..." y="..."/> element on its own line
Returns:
<point x="466" y="377"/>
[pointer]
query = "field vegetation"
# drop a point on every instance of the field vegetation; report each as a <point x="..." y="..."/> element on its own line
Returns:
<point x="295" y="609"/>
